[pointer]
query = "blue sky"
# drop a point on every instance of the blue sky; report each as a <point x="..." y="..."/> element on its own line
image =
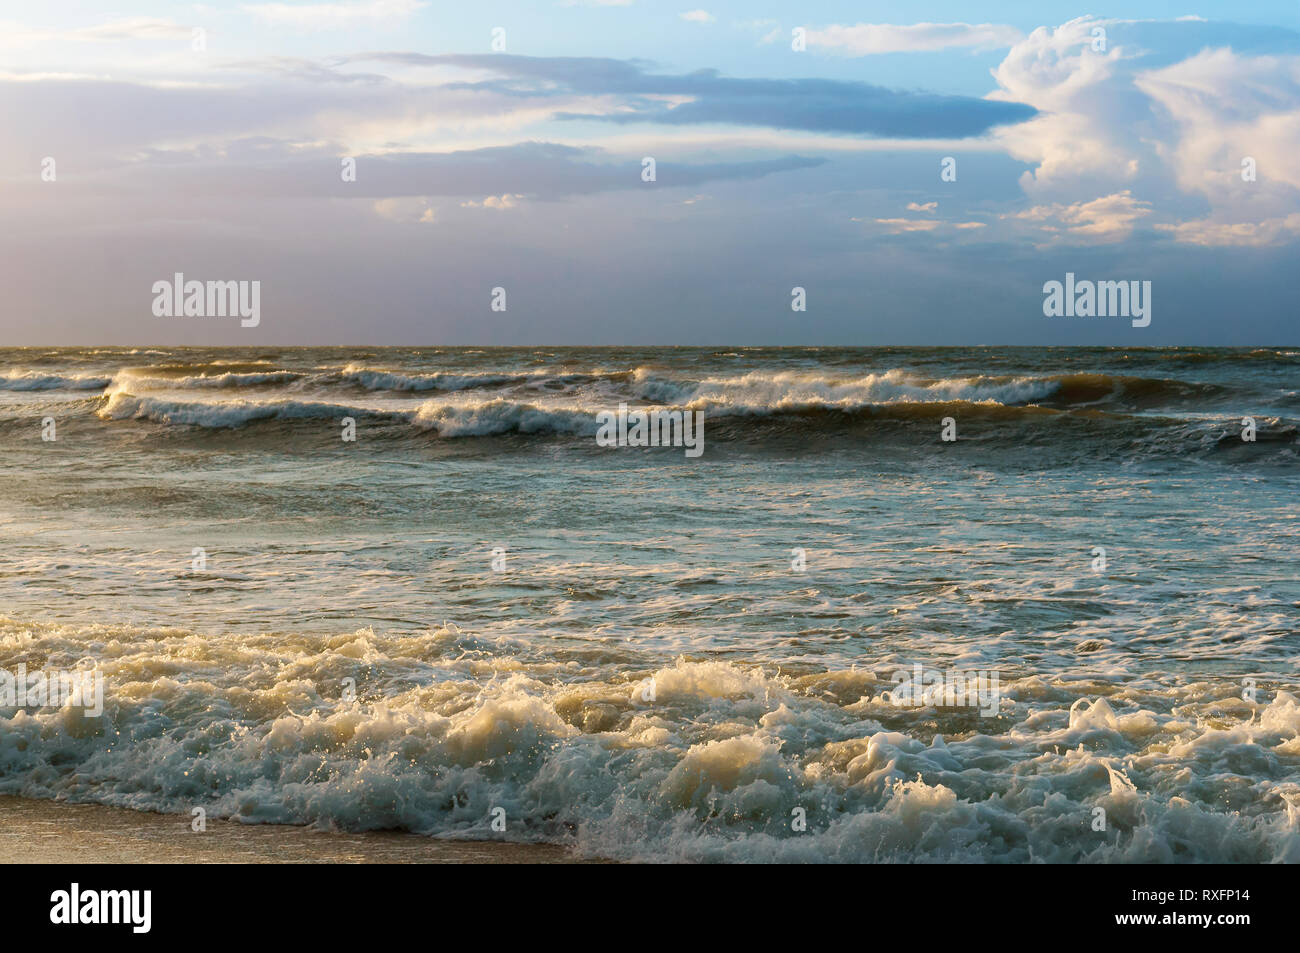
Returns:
<point x="775" y="168"/>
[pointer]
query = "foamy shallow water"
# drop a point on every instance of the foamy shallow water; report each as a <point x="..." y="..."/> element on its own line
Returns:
<point x="524" y="689"/>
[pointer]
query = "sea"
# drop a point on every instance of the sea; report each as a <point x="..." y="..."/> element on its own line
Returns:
<point x="407" y="589"/>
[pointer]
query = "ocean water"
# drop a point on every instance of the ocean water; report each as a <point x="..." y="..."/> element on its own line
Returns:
<point x="644" y="673"/>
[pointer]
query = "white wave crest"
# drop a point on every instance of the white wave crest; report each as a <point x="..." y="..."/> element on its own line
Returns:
<point x="502" y="416"/>
<point x="444" y="728"/>
<point x="380" y="379"/>
<point x="226" y="413"/>
<point x="132" y="381"/>
<point x="761" y="393"/>
<point x="33" y="380"/>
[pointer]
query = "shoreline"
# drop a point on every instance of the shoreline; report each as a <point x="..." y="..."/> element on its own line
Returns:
<point x="34" y="831"/>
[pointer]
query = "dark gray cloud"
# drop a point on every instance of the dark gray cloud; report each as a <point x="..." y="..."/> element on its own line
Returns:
<point x="268" y="168"/>
<point x="542" y="170"/>
<point x="810" y="105"/>
<point x="93" y="125"/>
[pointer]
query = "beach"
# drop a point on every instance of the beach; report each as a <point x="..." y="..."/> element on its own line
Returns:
<point x="49" y="832"/>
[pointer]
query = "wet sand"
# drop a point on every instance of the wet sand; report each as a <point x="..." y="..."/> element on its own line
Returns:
<point x="54" y="832"/>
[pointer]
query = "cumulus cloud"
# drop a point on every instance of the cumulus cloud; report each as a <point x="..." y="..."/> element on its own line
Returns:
<point x="498" y="202"/>
<point x="865" y="39"/>
<point x="1236" y="134"/>
<point x="1158" y="111"/>
<point x="1087" y="109"/>
<point x="412" y="209"/>
<point x="1107" y="219"/>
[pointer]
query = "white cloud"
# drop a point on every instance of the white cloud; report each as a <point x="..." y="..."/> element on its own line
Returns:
<point x="135" y="28"/>
<point x="898" y="226"/>
<point x="406" y="209"/>
<point x="1249" y="234"/>
<point x="132" y="28"/>
<point x="1108" y="127"/>
<point x="1226" y="108"/>
<point x="919" y="207"/>
<point x="498" y="202"/>
<point x="698" y="16"/>
<point x="1082" y="141"/>
<point x="332" y="16"/>
<point x="866" y="39"/>
<point x="1110" y="218"/>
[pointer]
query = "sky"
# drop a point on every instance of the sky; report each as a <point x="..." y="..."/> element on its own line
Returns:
<point x="921" y="171"/>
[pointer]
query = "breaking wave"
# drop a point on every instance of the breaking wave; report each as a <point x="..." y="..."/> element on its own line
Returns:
<point x="445" y="727"/>
<point x="33" y="380"/>
<point x="376" y="379"/>
<point x="873" y="409"/>
<point x="143" y="379"/>
<point x="224" y="414"/>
